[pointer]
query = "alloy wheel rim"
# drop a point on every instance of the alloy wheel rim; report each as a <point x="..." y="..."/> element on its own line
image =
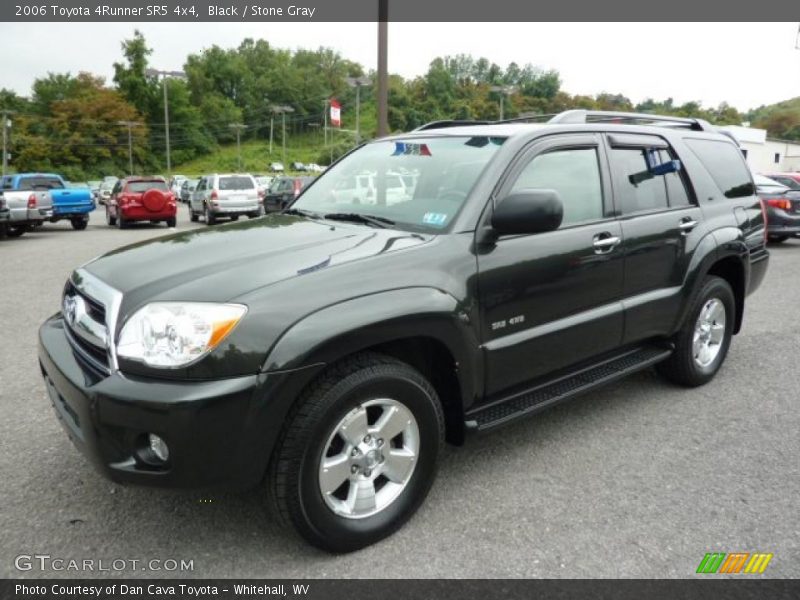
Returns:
<point x="369" y="458"/>
<point x="709" y="332"/>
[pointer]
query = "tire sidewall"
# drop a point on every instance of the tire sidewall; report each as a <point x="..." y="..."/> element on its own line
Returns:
<point x="341" y="533"/>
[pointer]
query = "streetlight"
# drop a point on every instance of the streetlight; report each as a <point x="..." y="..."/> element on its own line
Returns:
<point x="504" y="91"/>
<point x="282" y="110"/>
<point x="6" y="126"/>
<point x="357" y="82"/>
<point x="130" y="125"/>
<point x="238" y="127"/>
<point x="383" y="73"/>
<point x="164" y="76"/>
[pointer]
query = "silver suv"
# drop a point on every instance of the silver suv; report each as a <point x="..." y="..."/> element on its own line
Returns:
<point x="226" y="195"/>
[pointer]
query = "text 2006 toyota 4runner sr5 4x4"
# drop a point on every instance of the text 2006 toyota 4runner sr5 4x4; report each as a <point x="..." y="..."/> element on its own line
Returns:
<point x="332" y="348"/>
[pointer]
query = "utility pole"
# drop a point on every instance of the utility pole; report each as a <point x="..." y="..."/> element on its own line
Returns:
<point x="238" y="127"/>
<point x="6" y="126"/>
<point x="503" y="90"/>
<point x="164" y="76"/>
<point x="383" y="74"/>
<point x="282" y="110"/>
<point x="271" y="123"/>
<point x="357" y="82"/>
<point x="130" y="125"/>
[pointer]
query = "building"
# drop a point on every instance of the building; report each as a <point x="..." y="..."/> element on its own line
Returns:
<point x="766" y="155"/>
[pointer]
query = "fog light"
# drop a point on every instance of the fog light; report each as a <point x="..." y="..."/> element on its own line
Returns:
<point x="159" y="447"/>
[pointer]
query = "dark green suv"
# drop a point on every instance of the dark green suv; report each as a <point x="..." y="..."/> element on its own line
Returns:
<point x="332" y="348"/>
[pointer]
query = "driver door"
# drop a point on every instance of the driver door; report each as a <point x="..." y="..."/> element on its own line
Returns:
<point x="551" y="300"/>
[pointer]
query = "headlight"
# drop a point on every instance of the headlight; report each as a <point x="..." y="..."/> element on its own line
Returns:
<point x="174" y="334"/>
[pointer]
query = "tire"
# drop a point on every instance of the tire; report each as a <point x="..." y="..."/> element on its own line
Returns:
<point x="234" y="217"/>
<point x="79" y="224"/>
<point x="310" y="434"/>
<point x="15" y="231"/>
<point x="172" y="222"/>
<point x="193" y="216"/>
<point x="777" y="239"/>
<point x="211" y="219"/>
<point x="122" y="223"/>
<point x="110" y="221"/>
<point x="685" y="366"/>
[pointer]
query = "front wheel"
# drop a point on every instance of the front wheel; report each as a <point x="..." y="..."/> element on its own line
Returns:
<point x="358" y="454"/>
<point x="702" y="343"/>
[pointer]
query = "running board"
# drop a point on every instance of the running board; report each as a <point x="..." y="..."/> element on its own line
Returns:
<point x="569" y="386"/>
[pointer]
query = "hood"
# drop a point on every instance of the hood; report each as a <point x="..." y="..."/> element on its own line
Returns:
<point x="221" y="263"/>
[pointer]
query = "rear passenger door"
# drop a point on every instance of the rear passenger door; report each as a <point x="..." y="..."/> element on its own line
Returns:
<point x="661" y="225"/>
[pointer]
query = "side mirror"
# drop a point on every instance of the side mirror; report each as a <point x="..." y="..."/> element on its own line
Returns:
<point x="528" y="211"/>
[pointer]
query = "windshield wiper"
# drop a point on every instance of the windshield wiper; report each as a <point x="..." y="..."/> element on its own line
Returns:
<point x="381" y="222"/>
<point x="301" y="213"/>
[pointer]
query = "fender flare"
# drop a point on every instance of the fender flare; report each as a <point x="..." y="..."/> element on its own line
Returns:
<point x="353" y="325"/>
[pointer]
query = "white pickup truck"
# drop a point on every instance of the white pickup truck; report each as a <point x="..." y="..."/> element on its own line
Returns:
<point x="25" y="208"/>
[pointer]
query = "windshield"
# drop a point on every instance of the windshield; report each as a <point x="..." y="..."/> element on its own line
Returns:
<point x="420" y="184"/>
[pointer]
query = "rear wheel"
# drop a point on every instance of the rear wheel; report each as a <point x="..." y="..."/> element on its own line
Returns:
<point x="110" y="220"/>
<point x="234" y="217"/>
<point x="210" y="218"/>
<point x="777" y="239"/>
<point x="702" y="343"/>
<point x="193" y="216"/>
<point x="171" y="222"/>
<point x="122" y="223"/>
<point x="358" y="454"/>
<point x="79" y="223"/>
<point x="16" y="231"/>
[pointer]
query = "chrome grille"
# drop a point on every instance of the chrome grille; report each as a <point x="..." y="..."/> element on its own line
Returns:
<point x="89" y="307"/>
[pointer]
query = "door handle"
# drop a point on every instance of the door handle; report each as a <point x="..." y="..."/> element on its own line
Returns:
<point x="605" y="242"/>
<point x="687" y="224"/>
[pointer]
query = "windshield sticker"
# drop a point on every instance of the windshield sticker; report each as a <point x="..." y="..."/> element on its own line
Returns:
<point x="406" y="149"/>
<point x="434" y="219"/>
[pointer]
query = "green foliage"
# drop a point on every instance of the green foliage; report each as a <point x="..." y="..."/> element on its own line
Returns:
<point x="781" y="120"/>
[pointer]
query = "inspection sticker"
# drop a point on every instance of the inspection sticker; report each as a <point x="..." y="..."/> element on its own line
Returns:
<point x="404" y="148"/>
<point x="435" y="219"/>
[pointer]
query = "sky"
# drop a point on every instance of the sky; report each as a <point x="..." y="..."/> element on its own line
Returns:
<point x="744" y="64"/>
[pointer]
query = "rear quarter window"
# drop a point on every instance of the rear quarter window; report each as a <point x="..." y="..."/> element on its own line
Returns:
<point x="725" y="164"/>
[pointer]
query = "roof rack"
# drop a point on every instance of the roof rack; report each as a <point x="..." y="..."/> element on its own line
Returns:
<point x="582" y="116"/>
<point x="443" y="124"/>
<point x="603" y="116"/>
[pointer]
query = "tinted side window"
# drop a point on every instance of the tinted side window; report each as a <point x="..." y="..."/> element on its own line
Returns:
<point x="574" y="174"/>
<point x="725" y="165"/>
<point x="636" y="195"/>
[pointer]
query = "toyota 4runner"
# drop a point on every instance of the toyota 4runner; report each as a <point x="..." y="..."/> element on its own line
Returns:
<point x="332" y="349"/>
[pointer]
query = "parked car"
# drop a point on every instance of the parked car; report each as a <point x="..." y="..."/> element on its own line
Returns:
<point x="94" y="185"/>
<point x="283" y="191"/>
<point x="314" y="168"/>
<point x="263" y="182"/>
<point x="331" y="350"/>
<point x="187" y="188"/>
<point x="141" y="199"/>
<point x="228" y="195"/>
<point x="104" y="191"/>
<point x="782" y="206"/>
<point x="27" y="200"/>
<point x="276" y="167"/>
<point x="175" y="184"/>
<point x="790" y="180"/>
<point x="297" y="166"/>
<point x="362" y="189"/>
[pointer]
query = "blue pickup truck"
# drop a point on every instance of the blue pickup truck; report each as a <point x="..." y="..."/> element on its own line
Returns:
<point x="73" y="204"/>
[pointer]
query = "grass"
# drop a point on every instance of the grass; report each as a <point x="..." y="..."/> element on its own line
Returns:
<point x="256" y="156"/>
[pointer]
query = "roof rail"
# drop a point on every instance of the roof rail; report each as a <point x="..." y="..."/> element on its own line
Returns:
<point x="443" y="124"/>
<point x="603" y="116"/>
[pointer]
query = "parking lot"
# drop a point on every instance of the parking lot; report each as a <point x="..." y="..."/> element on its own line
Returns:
<point x="638" y="480"/>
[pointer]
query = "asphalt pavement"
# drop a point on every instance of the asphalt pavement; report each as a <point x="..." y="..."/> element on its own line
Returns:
<point x="640" y="479"/>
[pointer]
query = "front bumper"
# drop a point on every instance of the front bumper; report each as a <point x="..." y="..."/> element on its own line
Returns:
<point x="215" y="430"/>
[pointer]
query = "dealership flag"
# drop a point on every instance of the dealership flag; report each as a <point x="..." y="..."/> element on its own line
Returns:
<point x="336" y="113"/>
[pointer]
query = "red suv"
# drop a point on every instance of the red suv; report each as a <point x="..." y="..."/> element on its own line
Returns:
<point x="141" y="199"/>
